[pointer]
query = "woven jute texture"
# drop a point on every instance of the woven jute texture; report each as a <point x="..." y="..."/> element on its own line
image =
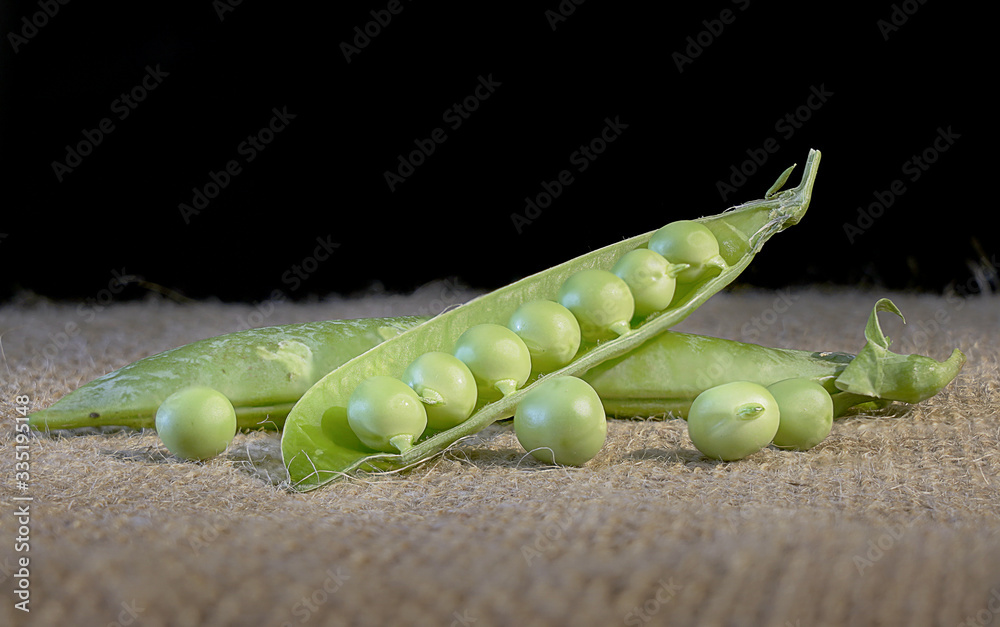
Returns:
<point x="892" y="520"/>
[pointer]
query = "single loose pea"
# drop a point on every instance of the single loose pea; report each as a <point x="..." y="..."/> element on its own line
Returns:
<point x="562" y="421"/>
<point x="733" y="420"/>
<point x="498" y="358"/>
<point x="601" y="302"/>
<point x="196" y="422"/>
<point x="806" y="413"/>
<point x="650" y="277"/>
<point x="549" y="330"/>
<point x="690" y="242"/>
<point x="386" y="414"/>
<point x="446" y="387"/>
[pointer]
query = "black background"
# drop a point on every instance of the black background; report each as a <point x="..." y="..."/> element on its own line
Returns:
<point x="224" y="72"/>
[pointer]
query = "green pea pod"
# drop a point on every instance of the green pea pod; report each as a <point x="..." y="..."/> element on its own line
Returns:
<point x="262" y="371"/>
<point x="878" y="372"/>
<point x="667" y="372"/>
<point x="317" y="443"/>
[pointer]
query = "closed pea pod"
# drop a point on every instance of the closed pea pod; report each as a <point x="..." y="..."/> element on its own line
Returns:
<point x="690" y="242"/>
<point x="445" y="385"/>
<point x="601" y="302"/>
<point x="549" y="330"/>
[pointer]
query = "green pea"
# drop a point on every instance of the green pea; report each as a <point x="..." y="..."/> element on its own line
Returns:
<point x="446" y="387"/>
<point x="650" y="278"/>
<point x="690" y="242"/>
<point x="498" y="358"/>
<point x="549" y="330"/>
<point x="562" y="421"/>
<point x="386" y="414"/>
<point x="806" y="410"/>
<point x="196" y="422"/>
<point x="733" y="420"/>
<point x="601" y="302"/>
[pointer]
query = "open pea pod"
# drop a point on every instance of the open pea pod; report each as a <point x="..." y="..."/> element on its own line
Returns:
<point x="317" y="443"/>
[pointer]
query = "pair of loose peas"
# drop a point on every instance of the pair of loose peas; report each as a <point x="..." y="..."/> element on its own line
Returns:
<point x="562" y="420"/>
<point x="736" y="419"/>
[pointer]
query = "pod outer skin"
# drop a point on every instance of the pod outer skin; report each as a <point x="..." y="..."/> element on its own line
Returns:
<point x="667" y="372"/>
<point x="262" y="371"/>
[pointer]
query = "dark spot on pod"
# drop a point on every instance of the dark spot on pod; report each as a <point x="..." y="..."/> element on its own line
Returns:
<point x="94" y="414"/>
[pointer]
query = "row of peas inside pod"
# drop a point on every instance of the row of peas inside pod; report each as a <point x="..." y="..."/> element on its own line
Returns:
<point x="562" y="419"/>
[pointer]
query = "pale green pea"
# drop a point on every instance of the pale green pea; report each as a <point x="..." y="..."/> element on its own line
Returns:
<point x="549" y="330"/>
<point x="562" y="421"/>
<point x="196" y="422"/>
<point x="446" y="387"/>
<point x="690" y="242"/>
<point x="650" y="277"/>
<point x="733" y="420"/>
<point x="386" y="414"/>
<point x="601" y="302"/>
<point x="498" y="358"/>
<point x="806" y="410"/>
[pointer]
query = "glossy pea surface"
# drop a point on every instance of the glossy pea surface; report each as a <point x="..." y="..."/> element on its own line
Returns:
<point x="690" y="242"/>
<point x="196" y="422"/>
<point x="498" y="359"/>
<point x="446" y="387"/>
<point x="649" y="277"/>
<point x="549" y="330"/>
<point x="561" y="420"/>
<point x="733" y="420"/>
<point x="601" y="302"/>
<point x="806" y="413"/>
<point x="386" y="414"/>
